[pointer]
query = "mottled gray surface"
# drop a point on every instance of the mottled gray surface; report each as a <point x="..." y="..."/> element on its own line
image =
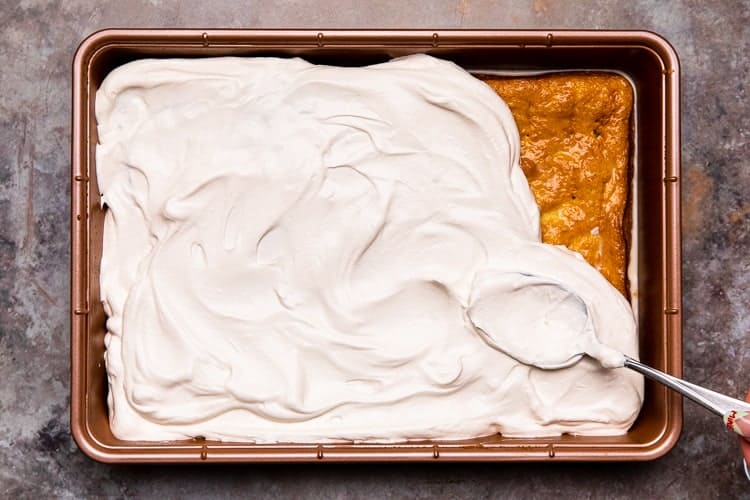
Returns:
<point x="37" y="455"/>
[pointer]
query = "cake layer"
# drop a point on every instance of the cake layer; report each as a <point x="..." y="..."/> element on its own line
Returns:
<point x="575" y="152"/>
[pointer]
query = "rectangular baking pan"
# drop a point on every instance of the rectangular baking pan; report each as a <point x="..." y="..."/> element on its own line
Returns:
<point x="646" y="59"/>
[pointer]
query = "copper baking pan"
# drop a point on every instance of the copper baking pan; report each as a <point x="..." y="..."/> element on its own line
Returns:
<point x="646" y="59"/>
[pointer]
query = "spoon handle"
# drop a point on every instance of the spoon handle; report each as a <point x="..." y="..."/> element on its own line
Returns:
<point x="735" y="413"/>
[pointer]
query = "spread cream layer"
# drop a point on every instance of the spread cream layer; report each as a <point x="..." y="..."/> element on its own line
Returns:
<point x="302" y="253"/>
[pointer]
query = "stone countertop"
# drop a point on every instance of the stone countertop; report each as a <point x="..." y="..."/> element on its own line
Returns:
<point x="38" y="457"/>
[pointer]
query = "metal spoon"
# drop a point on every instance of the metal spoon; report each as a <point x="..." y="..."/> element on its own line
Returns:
<point x="734" y="412"/>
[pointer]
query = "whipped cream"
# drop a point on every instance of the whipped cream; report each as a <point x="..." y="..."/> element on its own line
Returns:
<point x="302" y="253"/>
<point x="558" y="324"/>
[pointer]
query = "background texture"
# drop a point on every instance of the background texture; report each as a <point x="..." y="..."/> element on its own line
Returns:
<point x="37" y="455"/>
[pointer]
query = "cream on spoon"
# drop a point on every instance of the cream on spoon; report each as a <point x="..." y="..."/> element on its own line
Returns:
<point x="558" y="328"/>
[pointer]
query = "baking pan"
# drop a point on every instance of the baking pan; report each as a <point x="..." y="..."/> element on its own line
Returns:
<point x="646" y="59"/>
